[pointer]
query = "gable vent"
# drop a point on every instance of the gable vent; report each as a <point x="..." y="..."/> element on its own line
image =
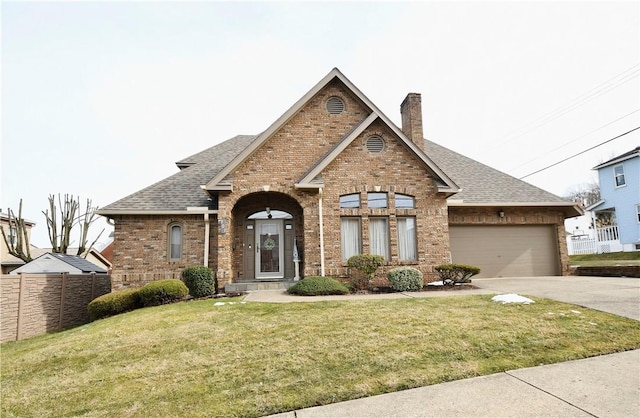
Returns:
<point x="375" y="144"/>
<point x="335" y="105"/>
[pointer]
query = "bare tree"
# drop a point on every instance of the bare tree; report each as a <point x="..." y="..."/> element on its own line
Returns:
<point x="586" y="194"/>
<point x="18" y="239"/>
<point x="60" y="228"/>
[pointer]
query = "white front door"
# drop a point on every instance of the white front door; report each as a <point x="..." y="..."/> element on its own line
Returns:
<point x="269" y="249"/>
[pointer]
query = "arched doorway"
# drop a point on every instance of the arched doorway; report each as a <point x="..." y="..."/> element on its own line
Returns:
<point x="270" y="232"/>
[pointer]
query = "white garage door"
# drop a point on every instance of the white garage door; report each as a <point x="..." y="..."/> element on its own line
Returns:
<point x="507" y="251"/>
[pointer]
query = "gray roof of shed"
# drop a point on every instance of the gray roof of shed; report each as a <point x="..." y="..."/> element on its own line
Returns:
<point x="480" y="183"/>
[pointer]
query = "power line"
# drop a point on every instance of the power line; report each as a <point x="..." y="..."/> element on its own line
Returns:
<point x="581" y="152"/>
<point x="587" y="96"/>
<point x="574" y="140"/>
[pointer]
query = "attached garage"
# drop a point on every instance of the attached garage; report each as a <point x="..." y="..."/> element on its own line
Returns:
<point x="507" y="251"/>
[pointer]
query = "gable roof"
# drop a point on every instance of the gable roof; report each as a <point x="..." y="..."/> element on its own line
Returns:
<point x="181" y="190"/>
<point x="620" y="158"/>
<point x="74" y="261"/>
<point x="474" y="183"/>
<point x="219" y="182"/>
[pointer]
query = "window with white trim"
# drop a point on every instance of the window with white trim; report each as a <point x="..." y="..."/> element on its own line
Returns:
<point x="379" y="237"/>
<point x="618" y="173"/>
<point x="407" y="238"/>
<point x="350" y="238"/>
<point x="175" y="242"/>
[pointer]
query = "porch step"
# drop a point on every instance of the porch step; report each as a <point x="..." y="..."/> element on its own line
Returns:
<point x="257" y="286"/>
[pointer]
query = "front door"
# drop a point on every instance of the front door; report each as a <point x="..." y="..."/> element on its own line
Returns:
<point x="269" y="249"/>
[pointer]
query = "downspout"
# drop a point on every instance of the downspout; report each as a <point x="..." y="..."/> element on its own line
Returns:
<point x="207" y="226"/>
<point x="321" y="224"/>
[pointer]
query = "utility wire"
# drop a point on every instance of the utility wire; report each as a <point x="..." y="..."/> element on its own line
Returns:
<point x="573" y="140"/>
<point x="589" y="95"/>
<point x="581" y="152"/>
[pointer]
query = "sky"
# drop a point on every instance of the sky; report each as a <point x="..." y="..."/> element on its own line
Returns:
<point x="100" y="99"/>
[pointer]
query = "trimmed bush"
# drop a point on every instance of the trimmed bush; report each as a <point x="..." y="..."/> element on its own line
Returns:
<point x="114" y="303"/>
<point x="318" y="285"/>
<point x="456" y="273"/>
<point x="366" y="264"/>
<point x="200" y="281"/>
<point x="162" y="292"/>
<point x="405" y="279"/>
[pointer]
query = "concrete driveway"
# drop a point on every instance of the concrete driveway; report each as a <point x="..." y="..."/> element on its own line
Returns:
<point x="616" y="295"/>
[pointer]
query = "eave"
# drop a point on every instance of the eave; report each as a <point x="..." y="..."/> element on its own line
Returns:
<point x="570" y="209"/>
<point x="110" y="213"/>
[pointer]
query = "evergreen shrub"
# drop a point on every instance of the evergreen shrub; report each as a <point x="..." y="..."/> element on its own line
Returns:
<point x="366" y="264"/>
<point x="405" y="279"/>
<point x="200" y="281"/>
<point x="162" y="292"/>
<point x="114" y="303"/>
<point x="456" y="273"/>
<point x="318" y="285"/>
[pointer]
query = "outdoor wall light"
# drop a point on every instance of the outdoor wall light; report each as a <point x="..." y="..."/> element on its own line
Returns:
<point x="501" y="214"/>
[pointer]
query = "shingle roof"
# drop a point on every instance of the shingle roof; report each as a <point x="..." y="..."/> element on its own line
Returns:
<point x="480" y="183"/>
<point x="182" y="190"/>
<point x="79" y="263"/>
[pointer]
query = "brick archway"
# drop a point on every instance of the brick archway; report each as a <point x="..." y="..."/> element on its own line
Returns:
<point x="243" y="251"/>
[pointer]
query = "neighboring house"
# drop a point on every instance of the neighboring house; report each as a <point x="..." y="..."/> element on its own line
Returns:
<point x="334" y="177"/>
<point x="619" y="180"/>
<point x="59" y="263"/>
<point x="8" y="261"/>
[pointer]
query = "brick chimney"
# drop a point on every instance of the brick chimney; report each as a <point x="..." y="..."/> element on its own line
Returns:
<point x="411" y="111"/>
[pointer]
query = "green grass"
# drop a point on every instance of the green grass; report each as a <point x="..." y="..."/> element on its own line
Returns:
<point x="606" y="259"/>
<point x="253" y="359"/>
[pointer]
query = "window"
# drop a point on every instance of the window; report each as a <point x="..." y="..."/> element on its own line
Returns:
<point x="404" y="201"/>
<point x="350" y="237"/>
<point x="407" y="238"/>
<point x="379" y="237"/>
<point x="377" y="200"/>
<point x="175" y="242"/>
<point x="350" y="201"/>
<point x="13" y="236"/>
<point x="618" y="173"/>
<point x="638" y="213"/>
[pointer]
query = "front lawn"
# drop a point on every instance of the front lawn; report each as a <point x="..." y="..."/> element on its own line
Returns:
<point x="629" y="258"/>
<point x="253" y="359"/>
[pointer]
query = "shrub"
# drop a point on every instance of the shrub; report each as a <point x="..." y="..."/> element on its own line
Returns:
<point x="318" y="285"/>
<point x="456" y="273"/>
<point x="366" y="264"/>
<point x="114" y="303"/>
<point x="405" y="279"/>
<point x="161" y="292"/>
<point x="200" y="281"/>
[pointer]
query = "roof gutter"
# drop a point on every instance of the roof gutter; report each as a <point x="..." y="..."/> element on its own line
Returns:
<point x="570" y="209"/>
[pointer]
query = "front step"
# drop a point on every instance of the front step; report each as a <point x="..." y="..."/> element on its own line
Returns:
<point x="257" y="286"/>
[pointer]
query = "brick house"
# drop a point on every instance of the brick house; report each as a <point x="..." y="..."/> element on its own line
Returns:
<point x="333" y="177"/>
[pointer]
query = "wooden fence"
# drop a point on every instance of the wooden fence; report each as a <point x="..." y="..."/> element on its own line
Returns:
<point x="34" y="304"/>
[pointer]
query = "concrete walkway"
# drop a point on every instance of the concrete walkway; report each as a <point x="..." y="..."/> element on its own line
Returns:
<point x="603" y="386"/>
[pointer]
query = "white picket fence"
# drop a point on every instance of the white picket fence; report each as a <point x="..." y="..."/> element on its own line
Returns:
<point x="608" y="241"/>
